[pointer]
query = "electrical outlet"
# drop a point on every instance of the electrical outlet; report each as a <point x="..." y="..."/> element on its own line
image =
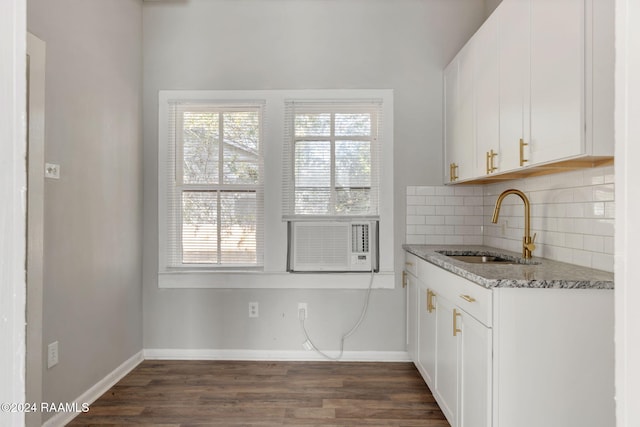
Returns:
<point x="302" y="310"/>
<point x="253" y="309"/>
<point x="52" y="354"/>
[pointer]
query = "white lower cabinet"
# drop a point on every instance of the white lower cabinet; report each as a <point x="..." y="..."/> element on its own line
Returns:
<point x="447" y="359"/>
<point x="475" y="364"/>
<point x="426" y="360"/>
<point x="511" y="357"/>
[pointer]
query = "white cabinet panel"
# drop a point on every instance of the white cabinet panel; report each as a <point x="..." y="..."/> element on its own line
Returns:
<point x="446" y="388"/>
<point x="487" y="105"/>
<point x="427" y="343"/>
<point x="557" y="79"/>
<point x="514" y="63"/>
<point x="475" y="373"/>
<point x="412" y="290"/>
<point x="459" y="117"/>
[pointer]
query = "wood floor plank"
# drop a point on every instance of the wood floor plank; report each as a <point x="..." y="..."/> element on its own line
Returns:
<point x="267" y="394"/>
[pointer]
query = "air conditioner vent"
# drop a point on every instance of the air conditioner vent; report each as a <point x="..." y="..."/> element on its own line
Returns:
<point x="359" y="238"/>
<point x="332" y="246"/>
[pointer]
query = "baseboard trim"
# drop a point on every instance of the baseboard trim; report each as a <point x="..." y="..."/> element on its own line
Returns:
<point x="276" y="355"/>
<point x="92" y="394"/>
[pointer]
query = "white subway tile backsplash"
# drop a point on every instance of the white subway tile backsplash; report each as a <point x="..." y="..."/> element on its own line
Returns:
<point x="572" y="213"/>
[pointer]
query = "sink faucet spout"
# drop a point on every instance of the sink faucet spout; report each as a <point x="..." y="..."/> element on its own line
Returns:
<point x="528" y="245"/>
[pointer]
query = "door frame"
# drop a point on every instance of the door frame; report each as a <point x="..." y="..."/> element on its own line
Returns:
<point x="36" y="50"/>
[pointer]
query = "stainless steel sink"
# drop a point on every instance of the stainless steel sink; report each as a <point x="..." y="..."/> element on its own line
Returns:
<point x="481" y="257"/>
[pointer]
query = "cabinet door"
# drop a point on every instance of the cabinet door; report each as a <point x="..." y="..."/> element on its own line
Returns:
<point x="427" y="349"/>
<point x="412" y="315"/>
<point x="459" y="117"/>
<point x="475" y="372"/>
<point x="513" y="58"/>
<point x="486" y="83"/>
<point x="446" y="385"/>
<point x="557" y="79"/>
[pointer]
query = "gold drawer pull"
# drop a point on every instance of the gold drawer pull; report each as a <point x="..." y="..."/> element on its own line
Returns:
<point x="410" y="264"/>
<point x="468" y="298"/>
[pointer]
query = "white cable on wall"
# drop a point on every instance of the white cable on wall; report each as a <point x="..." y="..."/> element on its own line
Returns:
<point x="351" y="331"/>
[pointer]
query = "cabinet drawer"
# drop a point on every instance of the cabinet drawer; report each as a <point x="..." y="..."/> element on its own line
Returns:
<point x="470" y="297"/>
<point x="411" y="263"/>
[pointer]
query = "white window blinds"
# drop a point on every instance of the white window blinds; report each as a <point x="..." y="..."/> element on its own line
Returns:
<point x="331" y="158"/>
<point x="214" y="187"/>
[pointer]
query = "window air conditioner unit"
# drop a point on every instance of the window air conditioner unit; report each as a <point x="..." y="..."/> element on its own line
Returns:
<point x="332" y="246"/>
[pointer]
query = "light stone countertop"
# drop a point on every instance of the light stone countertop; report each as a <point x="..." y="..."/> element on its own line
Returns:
<point x="544" y="274"/>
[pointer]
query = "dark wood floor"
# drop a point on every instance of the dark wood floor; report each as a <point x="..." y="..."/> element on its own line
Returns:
<point x="221" y="393"/>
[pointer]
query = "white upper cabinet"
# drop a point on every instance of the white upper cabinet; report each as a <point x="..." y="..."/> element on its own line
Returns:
<point x="541" y="87"/>
<point x="487" y="106"/>
<point x="557" y="80"/>
<point x="459" y="117"/>
<point x="514" y="66"/>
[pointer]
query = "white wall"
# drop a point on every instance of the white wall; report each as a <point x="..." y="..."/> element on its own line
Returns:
<point x="12" y="212"/>
<point x="304" y="44"/>
<point x="627" y="291"/>
<point x="93" y="214"/>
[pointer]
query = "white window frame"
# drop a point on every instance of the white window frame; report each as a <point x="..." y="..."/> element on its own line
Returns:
<point x="274" y="274"/>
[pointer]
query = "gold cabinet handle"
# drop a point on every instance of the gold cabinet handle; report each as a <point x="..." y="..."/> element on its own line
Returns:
<point x="488" y="161"/>
<point x="453" y="169"/>
<point x="468" y="298"/>
<point x="430" y="306"/>
<point x="409" y="264"/>
<point x="492" y="155"/>
<point x="456" y="330"/>
<point x="522" y="145"/>
<point x="404" y="279"/>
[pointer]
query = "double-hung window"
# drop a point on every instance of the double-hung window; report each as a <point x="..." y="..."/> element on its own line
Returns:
<point x="238" y="168"/>
<point x="332" y="157"/>
<point x="213" y="183"/>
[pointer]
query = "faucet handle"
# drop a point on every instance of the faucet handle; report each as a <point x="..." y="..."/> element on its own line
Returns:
<point x="531" y="245"/>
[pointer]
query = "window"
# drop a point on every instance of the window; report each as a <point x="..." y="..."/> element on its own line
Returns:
<point x="226" y="171"/>
<point x="331" y="158"/>
<point x="214" y="185"/>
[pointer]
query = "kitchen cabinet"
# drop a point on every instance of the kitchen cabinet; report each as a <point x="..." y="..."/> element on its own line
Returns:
<point x="459" y="117"/>
<point x="504" y="357"/>
<point x="410" y="282"/>
<point x="475" y="364"/>
<point x="426" y="315"/>
<point x="447" y="359"/>
<point x="490" y="156"/>
<point x="541" y="90"/>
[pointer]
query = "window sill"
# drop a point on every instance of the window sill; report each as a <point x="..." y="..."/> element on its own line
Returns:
<point x="274" y="280"/>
